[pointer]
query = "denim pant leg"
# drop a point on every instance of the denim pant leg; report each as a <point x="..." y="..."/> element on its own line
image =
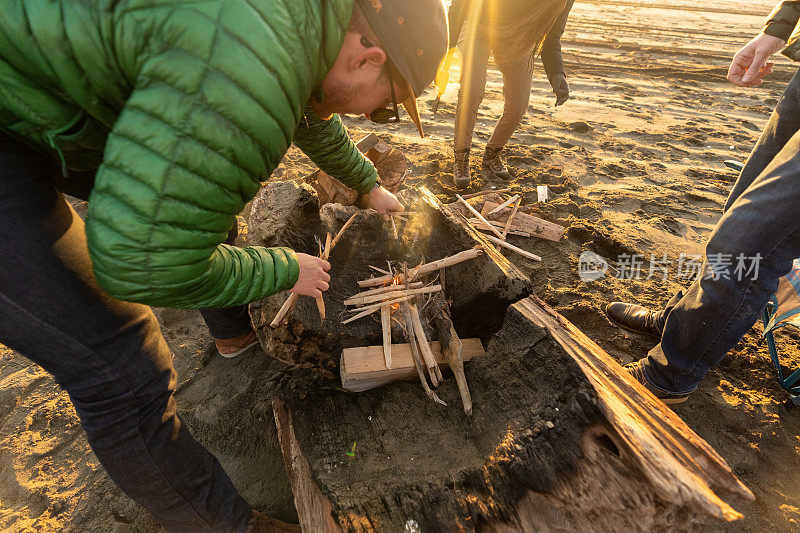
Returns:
<point x="228" y="322"/>
<point x="714" y="314"/>
<point x="781" y="126"/>
<point x="107" y="354"/>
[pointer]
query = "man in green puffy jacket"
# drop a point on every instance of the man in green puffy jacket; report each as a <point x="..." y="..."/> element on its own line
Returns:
<point x="168" y="115"/>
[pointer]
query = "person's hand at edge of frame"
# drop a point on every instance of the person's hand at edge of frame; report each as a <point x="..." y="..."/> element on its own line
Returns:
<point x="749" y="66"/>
<point x="314" y="278"/>
<point x="383" y="201"/>
<point x="560" y="88"/>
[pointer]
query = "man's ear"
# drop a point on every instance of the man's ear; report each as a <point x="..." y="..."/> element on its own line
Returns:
<point x="373" y="56"/>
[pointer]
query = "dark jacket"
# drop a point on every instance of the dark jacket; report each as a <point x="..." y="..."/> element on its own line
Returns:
<point x="782" y="23"/>
<point x="551" y="48"/>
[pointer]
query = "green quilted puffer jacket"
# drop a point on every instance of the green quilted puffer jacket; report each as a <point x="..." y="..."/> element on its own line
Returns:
<point x="183" y="107"/>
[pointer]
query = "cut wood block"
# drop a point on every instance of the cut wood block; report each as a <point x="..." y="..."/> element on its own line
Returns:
<point x="365" y="368"/>
<point x="524" y="222"/>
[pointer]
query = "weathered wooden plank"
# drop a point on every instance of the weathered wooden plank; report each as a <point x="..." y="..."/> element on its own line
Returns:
<point x="522" y="221"/>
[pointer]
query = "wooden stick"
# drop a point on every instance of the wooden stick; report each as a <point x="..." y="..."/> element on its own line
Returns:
<point x="434" y="371"/>
<point x="512" y="247"/>
<point x="453" y="348"/>
<point x="341" y="231"/>
<point x="364" y="313"/>
<point x="394" y="227"/>
<point x="478" y="225"/>
<point x="504" y="204"/>
<point x="386" y="326"/>
<point x="426" y="268"/>
<point x="378" y="305"/>
<point x="285" y="308"/>
<point x="363" y="300"/>
<point x="477" y="214"/>
<point x="328" y="247"/>
<point x="511" y="218"/>
<point x="324" y="254"/>
<point x="387" y="288"/>
<point x="409" y="330"/>
<point x="476" y="194"/>
<point x="376" y="269"/>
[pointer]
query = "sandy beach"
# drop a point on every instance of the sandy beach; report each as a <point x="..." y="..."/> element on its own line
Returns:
<point x="634" y="165"/>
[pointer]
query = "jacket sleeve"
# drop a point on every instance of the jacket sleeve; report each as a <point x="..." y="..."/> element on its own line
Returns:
<point x="183" y="158"/>
<point x="783" y="19"/>
<point x="551" y="48"/>
<point x="328" y="145"/>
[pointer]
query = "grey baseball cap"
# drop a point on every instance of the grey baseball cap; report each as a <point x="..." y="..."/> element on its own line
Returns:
<point x="415" y="36"/>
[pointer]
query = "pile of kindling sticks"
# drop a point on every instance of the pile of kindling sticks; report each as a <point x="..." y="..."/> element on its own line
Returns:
<point x="490" y="222"/>
<point x="398" y="292"/>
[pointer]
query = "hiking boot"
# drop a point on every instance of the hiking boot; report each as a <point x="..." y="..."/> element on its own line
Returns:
<point x="638" y="374"/>
<point x="230" y="348"/>
<point x="634" y="317"/>
<point x="493" y="166"/>
<point x="260" y="523"/>
<point x="461" y="177"/>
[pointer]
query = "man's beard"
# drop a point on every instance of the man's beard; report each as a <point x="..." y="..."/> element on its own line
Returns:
<point x="340" y="97"/>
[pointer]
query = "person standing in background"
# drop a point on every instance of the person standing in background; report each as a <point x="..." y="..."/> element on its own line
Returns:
<point x="513" y="31"/>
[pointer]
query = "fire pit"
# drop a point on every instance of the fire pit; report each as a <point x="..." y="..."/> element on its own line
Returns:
<point x="559" y="436"/>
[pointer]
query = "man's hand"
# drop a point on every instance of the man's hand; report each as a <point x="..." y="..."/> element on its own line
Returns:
<point x="750" y="65"/>
<point x="560" y="88"/>
<point x="383" y="201"/>
<point x="313" y="278"/>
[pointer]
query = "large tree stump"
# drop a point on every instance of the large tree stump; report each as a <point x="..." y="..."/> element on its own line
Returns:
<point x="561" y="438"/>
<point x="479" y="290"/>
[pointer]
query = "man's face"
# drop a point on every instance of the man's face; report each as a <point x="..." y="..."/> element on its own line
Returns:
<point x="359" y="81"/>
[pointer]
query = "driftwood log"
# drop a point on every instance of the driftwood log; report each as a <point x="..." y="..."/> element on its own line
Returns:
<point x="560" y="438"/>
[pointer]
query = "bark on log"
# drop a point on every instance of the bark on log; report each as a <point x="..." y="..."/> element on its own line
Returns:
<point x="561" y="438"/>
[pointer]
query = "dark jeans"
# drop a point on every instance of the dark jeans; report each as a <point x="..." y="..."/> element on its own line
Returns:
<point x="107" y="354"/>
<point x="761" y="216"/>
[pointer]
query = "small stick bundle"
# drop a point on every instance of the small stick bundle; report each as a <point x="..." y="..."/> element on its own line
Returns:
<point x="330" y="242"/>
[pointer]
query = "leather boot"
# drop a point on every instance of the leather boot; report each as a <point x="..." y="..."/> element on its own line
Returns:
<point x="461" y="177"/>
<point x="493" y="166"/>
<point x="634" y="317"/>
<point x="669" y="398"/>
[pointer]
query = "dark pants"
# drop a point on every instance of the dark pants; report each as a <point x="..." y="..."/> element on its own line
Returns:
<point x="761" y="217"/>
<point x="107" y="354"/>
<point x="228" y="322"/>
